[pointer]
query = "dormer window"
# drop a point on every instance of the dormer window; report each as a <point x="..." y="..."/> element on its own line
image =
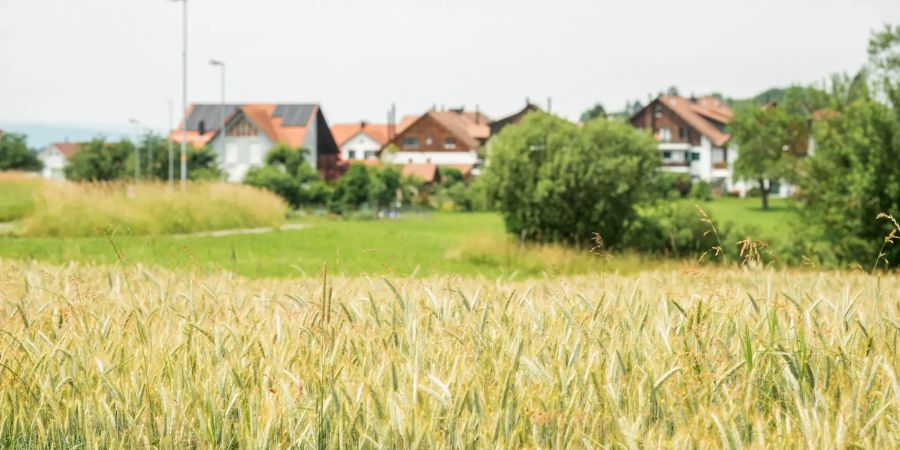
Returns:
<point x="410" y="142"/>
<point x="449" y="144"/>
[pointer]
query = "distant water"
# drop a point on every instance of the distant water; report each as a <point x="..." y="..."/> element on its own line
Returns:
<point x="40" y="134"/>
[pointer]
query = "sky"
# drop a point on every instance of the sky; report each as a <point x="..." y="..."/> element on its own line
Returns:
<point x="105" y="62"/>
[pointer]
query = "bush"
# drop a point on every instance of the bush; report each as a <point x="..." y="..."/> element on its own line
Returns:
<point x="288" y="174"/>
<point x="555" y="182"/>
<point x="72" y="209"/>
<point x="701" y="190"/>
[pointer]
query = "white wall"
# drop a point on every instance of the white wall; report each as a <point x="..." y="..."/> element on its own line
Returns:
<point x="238" y="154"/>
<point x="360" y="144"/>
<point x="470" y="157"/>
<point x="54" y="162"/>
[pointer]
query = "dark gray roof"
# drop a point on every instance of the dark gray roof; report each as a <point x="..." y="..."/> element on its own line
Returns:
<point x="294" y="115"/>
<point x="211" y="115"/>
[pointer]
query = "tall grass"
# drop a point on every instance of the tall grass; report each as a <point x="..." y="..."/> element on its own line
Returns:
<point x="17" y="193"/>
<point x="99" y="357"/>
<point x="84" y="209"/>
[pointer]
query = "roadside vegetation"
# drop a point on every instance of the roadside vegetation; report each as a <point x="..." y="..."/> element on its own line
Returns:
<point x="110" y="356"/>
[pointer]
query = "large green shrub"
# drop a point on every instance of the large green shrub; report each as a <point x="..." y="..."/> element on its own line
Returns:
<point x="288" y="174"/>
<point x="555" y="182"/>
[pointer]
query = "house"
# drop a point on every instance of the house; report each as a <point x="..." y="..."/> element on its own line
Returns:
<point x="428" y="173"/>
<point x="693" y="138"/>
<point x="360" y="141"/>
<point x="252" y="129"/>
<point x="515" y="118"/>
<point x="450" y="137"/>
<point x="55" y="157"/>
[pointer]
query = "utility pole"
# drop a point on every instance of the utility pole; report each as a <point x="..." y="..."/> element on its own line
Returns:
<point x="222" y="135"/>
<point x="184" y="90"/>
<point x="169" y="141"/>
<point x="137" y="149"/>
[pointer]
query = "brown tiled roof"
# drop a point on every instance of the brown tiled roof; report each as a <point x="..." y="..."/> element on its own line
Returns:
<point x="428" y="173"/>
<point x="343" y="132"/>
<point x="468" y="127"/>
<point x="698" y="114"/>
<point x="67" y="149"/>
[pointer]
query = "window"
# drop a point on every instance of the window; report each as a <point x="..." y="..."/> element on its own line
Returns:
<point x="449" y="144"/>
<point x="695" y="156"/>
<point x="683" y="134"/>
<point x="370" y="154"/>
<point x="351" y="154"/>
<point x="410" y="142"/>
<point x="667" y="155"/>
<point x="664" y="134"/>
<point x="428" y="140"/>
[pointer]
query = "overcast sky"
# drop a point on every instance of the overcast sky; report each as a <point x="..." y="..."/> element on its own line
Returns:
<point x="106" y="61"/>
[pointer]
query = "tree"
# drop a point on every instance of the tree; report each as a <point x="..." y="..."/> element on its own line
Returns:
<point x="555" y="182"/>
<point x="99" y="160"/>
<point x="288" y="174"/>
<point x="593" y="112"/>
<point x="384" y="185"/>
<point x="767" y="140"/>
<point x="15" y="155"/>
<point x="352" y="189"/>
<point x="855" y="175"/>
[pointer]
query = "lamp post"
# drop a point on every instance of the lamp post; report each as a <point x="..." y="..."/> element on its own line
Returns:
<point x="169" y="142"/>
<point x="221" y="65"/>
<point x="137" y="150"/>
<point x="184" y="92"/>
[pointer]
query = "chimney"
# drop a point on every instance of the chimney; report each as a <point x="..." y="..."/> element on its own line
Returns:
<point x="693" y="98"/>
<point x="549" y="104"/>
<point x="362" y="124"/>
<point x="477" y="114"/>
<point x="392" y="130"/>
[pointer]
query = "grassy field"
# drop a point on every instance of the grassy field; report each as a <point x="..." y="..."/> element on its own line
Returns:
<point x="439" y="243"/>
<point x="124" y="357"/>
<point x="442" y="243"/>
<point x="774" y="222"/>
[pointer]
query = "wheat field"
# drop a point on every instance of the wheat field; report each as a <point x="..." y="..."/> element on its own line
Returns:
<point x="137" y="357"/>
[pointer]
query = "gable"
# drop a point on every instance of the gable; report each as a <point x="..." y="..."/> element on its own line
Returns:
<point x="433" y="132"/>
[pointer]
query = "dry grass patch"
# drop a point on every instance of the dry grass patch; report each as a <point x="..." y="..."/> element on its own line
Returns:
<point x="66" y="209"/>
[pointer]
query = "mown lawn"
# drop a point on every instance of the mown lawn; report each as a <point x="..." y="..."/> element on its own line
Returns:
<point x="772" y="223"/>
<point x="429" y="244"/>
<point x="439" y="243"/>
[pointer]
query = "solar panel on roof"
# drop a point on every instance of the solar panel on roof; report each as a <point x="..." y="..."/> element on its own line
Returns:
<point x="210" y="115"/>
<point x="294" y="115"/>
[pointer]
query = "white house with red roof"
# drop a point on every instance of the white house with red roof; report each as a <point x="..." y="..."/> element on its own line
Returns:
<point x="252" y="129"/>
<point x="55" y="158"/>
<point x="693" y="138"/>
<point x="361" y="140"/>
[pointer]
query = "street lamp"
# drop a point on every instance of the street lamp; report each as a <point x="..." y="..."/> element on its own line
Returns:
<point x="137" y="150"/>
<point x="184" y="92"/>
<point x="221" y="65"/>
<point x="169" y="142"/>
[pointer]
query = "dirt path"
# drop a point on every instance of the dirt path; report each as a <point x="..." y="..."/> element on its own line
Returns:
<point x="261" y="230"/>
